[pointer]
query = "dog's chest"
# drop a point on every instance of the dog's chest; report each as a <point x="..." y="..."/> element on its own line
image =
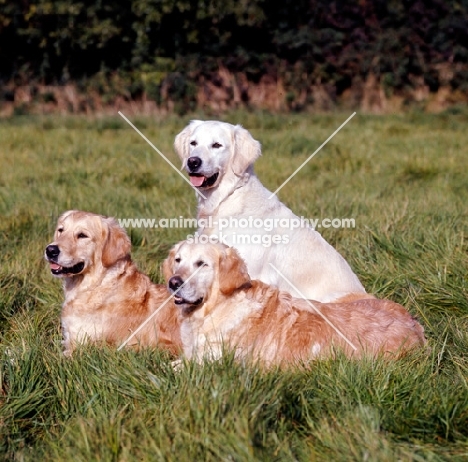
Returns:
<point x="223" y="327"/>
<point x="79" y="328"/>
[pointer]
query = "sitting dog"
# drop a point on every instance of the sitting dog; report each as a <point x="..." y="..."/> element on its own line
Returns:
<point x="106" y="297"/>
<point x="219" y="306"/>
<point x="239" y="211"/>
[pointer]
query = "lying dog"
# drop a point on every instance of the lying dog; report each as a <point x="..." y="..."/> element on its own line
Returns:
<point x="106" y="297"/>
<point x="219" y="306"/>
<point x="219" y="159"/>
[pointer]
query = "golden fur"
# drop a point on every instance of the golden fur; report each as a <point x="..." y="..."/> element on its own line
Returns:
<point x="221" y="307"/>
<point x="106" y="297"/>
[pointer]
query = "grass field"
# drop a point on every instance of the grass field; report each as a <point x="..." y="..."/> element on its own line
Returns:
<point x="402" y="178"/>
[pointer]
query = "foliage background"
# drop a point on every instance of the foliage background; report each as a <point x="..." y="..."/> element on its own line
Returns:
<point x="167" y="50"/>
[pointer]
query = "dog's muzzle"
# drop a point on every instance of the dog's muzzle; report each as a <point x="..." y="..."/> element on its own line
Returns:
<point x="52" y="252"/>
<point x="198" y="179"/>
<point x="175" y="283"/>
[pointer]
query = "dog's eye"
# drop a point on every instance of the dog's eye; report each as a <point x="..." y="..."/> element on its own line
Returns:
<point x="200" y="263"/>
<point x="216" y="145"/>
<point x="82" y="236"/>
<point x="177" y="260"/>
<point x="60" y="230"/>
<point x="193" y="143"/>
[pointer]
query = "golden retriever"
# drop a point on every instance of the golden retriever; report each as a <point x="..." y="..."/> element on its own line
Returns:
<point x="106" y="297"/>
<point x="219" y="159"/>
<point x="219" y="306"/>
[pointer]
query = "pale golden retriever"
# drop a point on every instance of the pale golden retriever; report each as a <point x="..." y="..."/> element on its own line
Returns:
<point x="106" y="297"/>
<point x="220" y="307"/>
<point x="219" y="159"/>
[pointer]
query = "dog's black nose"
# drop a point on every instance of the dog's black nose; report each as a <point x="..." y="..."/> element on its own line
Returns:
<point x="175" y="282"/>
<point x="194" y="163"/>
<point x="52" y="251"/>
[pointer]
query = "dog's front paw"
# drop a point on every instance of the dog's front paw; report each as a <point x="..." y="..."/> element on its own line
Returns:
<point x="68" y="353"/>
<point x="177" y="365"/>
<point x="67" y="349"/>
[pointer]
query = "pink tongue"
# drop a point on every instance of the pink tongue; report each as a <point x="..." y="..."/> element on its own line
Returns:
<point x="54" y="266"/>
<point x="197" y="180"/>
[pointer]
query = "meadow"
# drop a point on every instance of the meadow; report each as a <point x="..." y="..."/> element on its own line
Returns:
<point x="404" y="180"/>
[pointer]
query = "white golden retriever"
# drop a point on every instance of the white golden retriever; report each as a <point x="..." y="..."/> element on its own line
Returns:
<point x="219" y="159"/>
<point x="220" y="307"/>
<point x="106" y="297"/>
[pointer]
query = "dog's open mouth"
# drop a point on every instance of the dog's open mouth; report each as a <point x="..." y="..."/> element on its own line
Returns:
<point x="181" y="301"/>
<point x="57" y="270"/>
<point x="200" y="181"/>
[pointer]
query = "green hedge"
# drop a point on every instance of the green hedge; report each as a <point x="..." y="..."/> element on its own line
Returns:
<point x="151" y="41"/>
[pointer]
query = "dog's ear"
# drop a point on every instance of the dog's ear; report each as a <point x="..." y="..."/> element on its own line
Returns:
<point x="181" y="143"/>
<point x="232" y="272"/>
<point x="117" y="245"/>
<point x="246" y="150"/>
<point x="168" y="263"/>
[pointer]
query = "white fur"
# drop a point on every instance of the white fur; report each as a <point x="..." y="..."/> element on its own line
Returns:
<point x="317" y="270"/>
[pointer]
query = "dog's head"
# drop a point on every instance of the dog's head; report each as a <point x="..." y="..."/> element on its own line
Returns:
<point x="85" y="241"/>
<point x="210" y="150"/>
<point x="198" y="273"/>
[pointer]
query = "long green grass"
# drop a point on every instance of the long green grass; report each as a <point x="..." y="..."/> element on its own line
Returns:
<point x="402" y="178"/>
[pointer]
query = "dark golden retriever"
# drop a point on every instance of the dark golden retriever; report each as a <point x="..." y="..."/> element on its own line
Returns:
<point x="219" y="306"/>
<point x="106" y="297"/>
